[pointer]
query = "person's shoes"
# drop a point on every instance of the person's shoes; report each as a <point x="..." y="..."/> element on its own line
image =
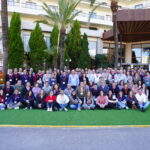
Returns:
<point x="79" y="109"/>
<point x="16" y="108"/>
<point x="142" y="110"/>
<point x="134" y="107"/>
<point x="127" y="107"/>
<point x="30" y="107"/>
<point x="50" y="109"/>
<point x="66" y="109"/>
<point x="25" y="108"/>
<point x="60" y="109"/>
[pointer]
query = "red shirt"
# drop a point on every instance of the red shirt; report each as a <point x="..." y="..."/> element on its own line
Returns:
<point x="51" y="98"/>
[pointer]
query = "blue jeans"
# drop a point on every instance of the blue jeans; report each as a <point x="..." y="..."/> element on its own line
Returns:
<point x="49" y="105"/>
<point x="144" y="105"/>
<point x="63" y="105"/>
<point x="2" y="106"/>
<point x="75" y="106"/>
<point x="85" y="106"/>
<point x="121" y="105"/>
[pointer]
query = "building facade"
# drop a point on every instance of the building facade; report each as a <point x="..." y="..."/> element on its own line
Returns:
<point x="101" y="20"/>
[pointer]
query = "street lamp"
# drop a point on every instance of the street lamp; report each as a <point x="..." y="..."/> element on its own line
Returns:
<point x="114" y="8"/>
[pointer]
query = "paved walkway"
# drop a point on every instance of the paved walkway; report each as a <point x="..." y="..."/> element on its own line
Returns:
<point x="74" y="138"/>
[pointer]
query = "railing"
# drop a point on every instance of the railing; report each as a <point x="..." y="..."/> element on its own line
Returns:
<point x="34" y="6"/>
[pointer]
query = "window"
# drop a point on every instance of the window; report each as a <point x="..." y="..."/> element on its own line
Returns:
<point x="11" y="2"/>
<point x="100" y="17"/>
<point x="138" y="6"/>
<point x="136" y="54"/>
<point x="93" y="48"/>
<point x="109" y="50"/>
<point x="92" y="28"/>
<point x="26" y="43"/>
<point x="146" y="53"/>
<point x="92" y="15"/>
<point x="108" y="17"/>
<point x="47" y="40"/>
<point x="31" y="5"/>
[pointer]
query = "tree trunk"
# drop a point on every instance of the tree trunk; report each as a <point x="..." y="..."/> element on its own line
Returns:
<point x="62" y="32"/>
<point x="55" y="63"/>
<point x="114" y="8"/>
<point x="115" y="31"/>
<point x="4" y="18"/>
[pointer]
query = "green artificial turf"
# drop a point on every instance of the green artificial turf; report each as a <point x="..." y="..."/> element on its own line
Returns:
<point x="73" y="117"/>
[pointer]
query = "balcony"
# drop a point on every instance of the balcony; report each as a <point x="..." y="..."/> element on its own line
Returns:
<point x="30" y="8"/>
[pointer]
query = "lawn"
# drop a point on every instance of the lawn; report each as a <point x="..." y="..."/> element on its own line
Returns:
<point x="85" y="117"/>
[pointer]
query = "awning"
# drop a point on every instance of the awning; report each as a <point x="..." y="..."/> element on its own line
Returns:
<point x="133" y="26"/>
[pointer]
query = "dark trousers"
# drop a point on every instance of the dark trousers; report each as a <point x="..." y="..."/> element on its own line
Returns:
<point x="28" y="105"/>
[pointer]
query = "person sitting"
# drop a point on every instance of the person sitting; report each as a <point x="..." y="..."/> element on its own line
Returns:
<point x="112" y="100"/>
<point x="19" y="86"/>
<point x="104" y="87"/>
<point x="81" y="92"/>
<point x="8" y="90"/>
<point x="62" y="100"/>
<point x="95" y="91"/>
<point x="132" y="101"/>
<point x="28" y="100"/>
<point x="15" y="101"/>
<point x="142" y="100"/>
<point x="68" y="91"/>
<point x="52" y="80"/>
<point x="114" y="88"/>
<point x="40" y="100"/>
<point x="75" y="102"/>
<point x="56" y="90"/>
<point x="2" y="100"/>
<point x="126" y="90"/>
<point x="26" y="89"/>
<point x="47" y="88"/>
<point x="102" y="101"/>
<point x="50" y="100"/>
<point x="88" y="101"/>
<point x="122" y="101"/>
<point x="36" y="90"/>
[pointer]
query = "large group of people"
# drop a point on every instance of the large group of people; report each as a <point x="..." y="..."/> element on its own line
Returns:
<point x="79" y="89"/>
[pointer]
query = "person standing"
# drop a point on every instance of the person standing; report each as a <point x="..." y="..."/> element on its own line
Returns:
<point x="73" y="80"/>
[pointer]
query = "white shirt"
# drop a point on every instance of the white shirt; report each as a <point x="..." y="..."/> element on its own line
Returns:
<point x="141" y="98"/>
<point x="62" y="99"/>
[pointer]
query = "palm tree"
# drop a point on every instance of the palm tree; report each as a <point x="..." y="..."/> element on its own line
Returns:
<point x="63" y="17"/>
<point x="4" y="18"/>
<point x="114" y="7"/>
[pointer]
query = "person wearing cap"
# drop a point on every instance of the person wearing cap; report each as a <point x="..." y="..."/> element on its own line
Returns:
<point x="142" y="100"/>
<point x="2" y="78"/>
<point x="62" y="100"/>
